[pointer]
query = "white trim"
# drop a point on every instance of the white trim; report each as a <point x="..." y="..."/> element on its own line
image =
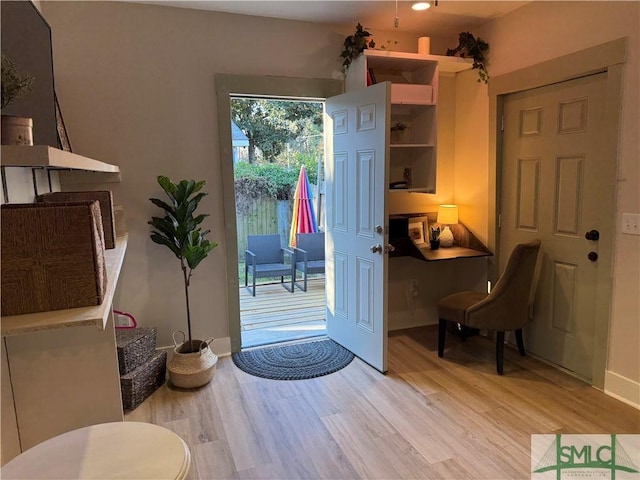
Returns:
<point x="622" y="388"/>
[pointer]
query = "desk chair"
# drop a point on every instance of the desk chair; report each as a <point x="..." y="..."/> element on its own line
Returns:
<point x="506" y="308"/>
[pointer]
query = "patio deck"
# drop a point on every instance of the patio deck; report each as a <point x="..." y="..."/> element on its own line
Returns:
<point x="276" y="315"/>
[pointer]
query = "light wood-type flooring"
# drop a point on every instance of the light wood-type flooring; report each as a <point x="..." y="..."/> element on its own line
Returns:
<point x="450" y="418"/>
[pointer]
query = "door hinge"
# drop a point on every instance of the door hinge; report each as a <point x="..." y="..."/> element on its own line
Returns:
<point x="499" y="220"/>
<point x="502" y="123"/>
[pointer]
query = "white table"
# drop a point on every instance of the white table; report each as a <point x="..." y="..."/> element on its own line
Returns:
<point x="119" y="450"/>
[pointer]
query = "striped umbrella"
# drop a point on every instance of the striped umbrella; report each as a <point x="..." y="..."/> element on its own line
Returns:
<point x="303" y="219"/>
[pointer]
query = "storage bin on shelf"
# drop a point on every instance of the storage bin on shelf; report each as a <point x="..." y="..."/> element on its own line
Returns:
<point x="52" y="257"/>
<point x="104" y="197"/>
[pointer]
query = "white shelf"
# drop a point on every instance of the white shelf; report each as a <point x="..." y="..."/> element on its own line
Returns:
<point x="412" y="190"/>
<point x="49" y="157"/>
<point x="74" y="317"/>
<point x="408" y="61"/>
<point x="412" y="145"/>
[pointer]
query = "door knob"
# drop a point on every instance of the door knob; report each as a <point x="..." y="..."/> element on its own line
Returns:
<point x="379" y="229"/>
<point x="389" y="248"/>
<point x="592" y="235"/>
<point x="593" y="256"/>
<point x="376" y="248"/>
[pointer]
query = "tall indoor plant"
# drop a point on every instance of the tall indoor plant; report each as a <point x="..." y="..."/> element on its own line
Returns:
<point x="180" y="231"/>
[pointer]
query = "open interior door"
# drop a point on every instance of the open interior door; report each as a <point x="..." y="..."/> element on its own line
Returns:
<point x="356" y="179"/>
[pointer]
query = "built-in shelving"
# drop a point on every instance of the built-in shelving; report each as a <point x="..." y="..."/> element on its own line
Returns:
<point x="45" y="156"/>
<point x="410" y="61"/>
<point x="75" y="317"/>
<point x="413" y="105"/>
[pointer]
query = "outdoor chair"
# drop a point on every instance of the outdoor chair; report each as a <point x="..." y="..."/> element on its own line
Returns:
<point x="309" y="256"/>
<point x="506" y="308"/>
<point x="265" y="257"/>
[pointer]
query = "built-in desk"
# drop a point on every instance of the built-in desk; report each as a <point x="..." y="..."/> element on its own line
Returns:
<point x="449" y="253"/>
<point x="466" y="245"/>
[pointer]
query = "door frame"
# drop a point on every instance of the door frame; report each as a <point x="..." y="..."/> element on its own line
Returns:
<point x="608" y="58"/>
<point x="260" y="87"/>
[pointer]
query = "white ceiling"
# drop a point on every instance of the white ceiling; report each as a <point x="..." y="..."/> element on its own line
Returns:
<point x="450" y="16"/>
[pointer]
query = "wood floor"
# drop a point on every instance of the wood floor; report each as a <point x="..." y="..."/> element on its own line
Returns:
<point x="450" y="418"/>
<point x="274" y="306"/>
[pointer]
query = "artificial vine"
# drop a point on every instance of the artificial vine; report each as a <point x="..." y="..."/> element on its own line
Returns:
<point x="472" y="47"/>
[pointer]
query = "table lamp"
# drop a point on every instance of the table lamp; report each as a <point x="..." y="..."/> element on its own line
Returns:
<point x="447" y="215"/>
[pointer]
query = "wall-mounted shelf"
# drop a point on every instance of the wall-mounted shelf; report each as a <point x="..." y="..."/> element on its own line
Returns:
<point x="73" y="317"/>
<point x="410" y="61"/>
<point x="53" y="158"/>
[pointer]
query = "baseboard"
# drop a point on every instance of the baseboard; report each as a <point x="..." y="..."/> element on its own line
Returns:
<point x="220" y="346"/>
<point x="622" y="388"/>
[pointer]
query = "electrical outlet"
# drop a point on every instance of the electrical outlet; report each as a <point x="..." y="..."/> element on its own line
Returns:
<point x="413" y="288"/>
<point x="631" y="223"/>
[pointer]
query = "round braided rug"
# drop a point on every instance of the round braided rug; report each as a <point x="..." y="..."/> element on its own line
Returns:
<point x="295" y="361"/>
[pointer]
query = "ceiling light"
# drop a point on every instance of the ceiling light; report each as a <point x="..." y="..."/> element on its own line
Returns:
<point x="421" y="5"/>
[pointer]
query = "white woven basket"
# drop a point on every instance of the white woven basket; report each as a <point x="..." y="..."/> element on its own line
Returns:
<point x="191" y="370"/>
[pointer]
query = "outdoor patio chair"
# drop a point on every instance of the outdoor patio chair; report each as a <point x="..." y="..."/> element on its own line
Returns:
<point x="309" y="256"/>
<point x="265" y="257"/>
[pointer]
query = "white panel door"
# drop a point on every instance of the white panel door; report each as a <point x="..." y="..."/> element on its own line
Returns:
<point x="553" y="189"/>
<point x="356" y="187"/>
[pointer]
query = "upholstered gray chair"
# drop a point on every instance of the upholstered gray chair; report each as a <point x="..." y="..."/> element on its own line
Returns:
<point x="309" y="256"/>
<point x="506" y="308"/>
<point x="265" y="257"/>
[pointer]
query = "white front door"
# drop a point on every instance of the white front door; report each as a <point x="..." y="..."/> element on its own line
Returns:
<point x="553" y="188"/>
<point x="356" y="188"/>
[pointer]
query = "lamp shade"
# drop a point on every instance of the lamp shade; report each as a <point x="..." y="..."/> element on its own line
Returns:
<point x="447" y="214"/>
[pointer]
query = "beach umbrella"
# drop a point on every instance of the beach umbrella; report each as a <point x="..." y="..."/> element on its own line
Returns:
<point x="303" y="219"/>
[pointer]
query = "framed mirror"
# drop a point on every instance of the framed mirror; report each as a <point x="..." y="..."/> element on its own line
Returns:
<point x="26" y="40"/>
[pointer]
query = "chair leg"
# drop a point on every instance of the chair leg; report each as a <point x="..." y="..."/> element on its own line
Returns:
<point x="254" y="284"/>
<point x="499" y="351"/>
<point x="305" y="280"/>
<point x="462" y="330"/>
<point x="442" y="332"/>
<point x="520" y="342"/>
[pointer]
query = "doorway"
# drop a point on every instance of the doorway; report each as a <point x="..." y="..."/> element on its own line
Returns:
<point x="278" y="157"/>
<point x="555" y="190"/>
<point x="606" y="59"/>
<point x="228" y="86"/>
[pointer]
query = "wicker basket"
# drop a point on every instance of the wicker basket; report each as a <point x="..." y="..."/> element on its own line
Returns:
<point x="52" y="257"/>
<point x="191" y="370"/>
<point x="136" y="386"/>
<point x="135" y="346"/>
<point x="106" y="208"/>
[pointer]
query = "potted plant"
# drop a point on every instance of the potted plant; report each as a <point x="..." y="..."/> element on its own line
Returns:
<point x="354" y="45"/>
<point x="472" y="47"/>
<point x="434" y="238"/>
<point x="397" y="131"/>
<point x="193" y="362"/>
<point x="15" y="130"/>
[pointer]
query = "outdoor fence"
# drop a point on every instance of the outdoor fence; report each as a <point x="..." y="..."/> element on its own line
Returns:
<point x="265" y="216"/>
